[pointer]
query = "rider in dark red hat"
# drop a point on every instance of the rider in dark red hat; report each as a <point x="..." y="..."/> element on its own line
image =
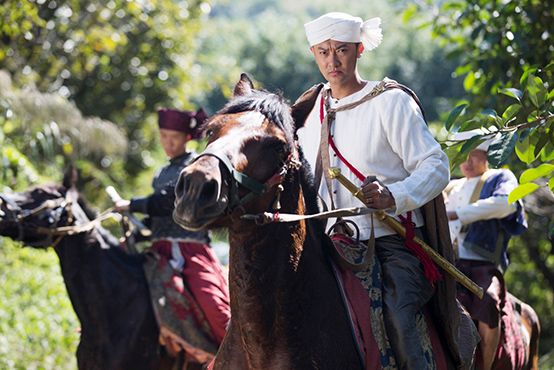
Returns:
<point x="188" y="252"/>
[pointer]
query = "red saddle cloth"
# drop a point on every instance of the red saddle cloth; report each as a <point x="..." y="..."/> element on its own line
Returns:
<point x="511" y="354"/>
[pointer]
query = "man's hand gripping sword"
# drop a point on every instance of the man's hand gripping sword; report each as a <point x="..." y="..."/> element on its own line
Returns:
<point x="394" y="224"/>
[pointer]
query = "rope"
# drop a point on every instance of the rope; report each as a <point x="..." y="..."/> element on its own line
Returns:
<point x="268" y="217"/>
<point x="77" y="229"/>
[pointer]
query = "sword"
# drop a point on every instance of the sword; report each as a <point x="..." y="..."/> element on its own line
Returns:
<point x="394" y="224"/>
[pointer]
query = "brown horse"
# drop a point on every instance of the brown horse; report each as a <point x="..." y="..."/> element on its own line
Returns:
<point x="287" y="310"/>
<point x="107" y="285"/>
<point x="526" y="323"/>
<point x="518" y="348"/>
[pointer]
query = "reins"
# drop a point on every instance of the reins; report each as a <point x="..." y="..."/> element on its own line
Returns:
<point x="61" y="231"/>
<point x="77" y="229"/>
<point x="268" y="217"/>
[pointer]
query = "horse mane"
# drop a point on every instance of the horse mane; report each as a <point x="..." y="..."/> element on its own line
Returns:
<point x="273" y="106"/>
<point x="308" y="186"/>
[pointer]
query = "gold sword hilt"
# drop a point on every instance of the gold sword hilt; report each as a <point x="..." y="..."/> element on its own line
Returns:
<point x="393" y="223"/>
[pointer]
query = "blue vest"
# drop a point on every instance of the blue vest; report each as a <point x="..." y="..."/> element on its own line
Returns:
<point x="489" y="238"/>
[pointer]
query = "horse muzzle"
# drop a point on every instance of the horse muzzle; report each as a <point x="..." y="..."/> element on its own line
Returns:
<point x="200" y="195"/>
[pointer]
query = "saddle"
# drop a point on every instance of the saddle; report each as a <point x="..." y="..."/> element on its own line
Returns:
<point x="183" y="325"/>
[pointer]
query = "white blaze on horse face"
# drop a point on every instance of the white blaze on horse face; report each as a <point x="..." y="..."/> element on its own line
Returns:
<point x="251" y="119"/>
<point x="247" y="121"/>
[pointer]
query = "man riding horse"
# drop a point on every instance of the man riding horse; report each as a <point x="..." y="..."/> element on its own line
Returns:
<point x="188" y="252"/>
<point x="375" y="132"/>
<point x="481" y="225"/>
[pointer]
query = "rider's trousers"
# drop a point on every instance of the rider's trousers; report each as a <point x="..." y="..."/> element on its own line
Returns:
<point x="405" y="292"/>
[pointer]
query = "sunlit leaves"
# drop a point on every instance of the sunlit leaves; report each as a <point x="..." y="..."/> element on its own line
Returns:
<point x="521" y="191"/>
<point x="525" y="149"/>
<point x="510" y="113"/>
<point x="511" y="92"/>
<point x="537" y="91"/>
<point x="531" y="174"/>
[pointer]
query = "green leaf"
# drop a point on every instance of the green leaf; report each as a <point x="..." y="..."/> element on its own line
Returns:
<point x="551" y="183"/>
<point x="474" y="123"/>
<point x="534" y="173"/>
<point x="547" y="154"/>
<point x="471" y="143"/>
<point x="453" y="116"/>
<point x="522" y="191"/>
<point x="528" y="71"/>
<point x="409" y="13"/>
<point x="501" y="148"/>
<point x="512" y="93"/>
<point x="537" y="91"/>
<point x="511" y="112"/>
<point x="525" y="150"/>
<point x="541" y="142"/>
<point x="469" y="81"/>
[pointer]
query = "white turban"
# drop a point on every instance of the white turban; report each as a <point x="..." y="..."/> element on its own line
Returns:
<point x="346" y="28"/>
<point x="466" y="135"/>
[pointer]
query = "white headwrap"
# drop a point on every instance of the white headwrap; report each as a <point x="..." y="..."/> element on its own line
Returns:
<point x="466" y="135"/>
<point x="344" y="27"/>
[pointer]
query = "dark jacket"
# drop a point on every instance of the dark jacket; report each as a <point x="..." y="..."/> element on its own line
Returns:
<point x="159" y="205"/>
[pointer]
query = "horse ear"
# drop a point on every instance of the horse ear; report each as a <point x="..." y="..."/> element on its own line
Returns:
<point x="244" y="86"/>
<point x="304" y="105"/>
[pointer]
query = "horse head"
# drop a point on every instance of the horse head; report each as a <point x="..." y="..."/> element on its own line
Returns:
<point x="28" y="216"/>
<point x="251" y="150"/>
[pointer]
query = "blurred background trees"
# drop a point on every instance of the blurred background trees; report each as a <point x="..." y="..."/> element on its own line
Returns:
<point x="81" y="81"/>
<point x="505" y="55"/>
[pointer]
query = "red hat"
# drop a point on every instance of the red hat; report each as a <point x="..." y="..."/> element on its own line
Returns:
<point x="184" y="121"/>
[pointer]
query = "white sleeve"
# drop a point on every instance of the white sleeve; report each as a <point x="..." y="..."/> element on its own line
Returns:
<point x="420" y="153"/>
<point x="485" y="209"/>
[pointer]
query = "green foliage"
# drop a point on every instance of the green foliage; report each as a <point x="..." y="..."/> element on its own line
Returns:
<point x="117" y="60"/>
<point x="505" y="51"/>
<point x="525" y="129"/>
<point x="493" y="40"/>
<point x="42" y="133"/>
<point x="38" y="328"/>
<point x="267" y="40"/>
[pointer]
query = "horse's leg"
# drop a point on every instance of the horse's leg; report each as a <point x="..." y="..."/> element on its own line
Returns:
<point x="490" y="338"/>
<point x="531" y="324"/>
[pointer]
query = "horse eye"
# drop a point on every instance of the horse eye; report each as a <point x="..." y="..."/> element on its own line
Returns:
<point x="281" y="150"/>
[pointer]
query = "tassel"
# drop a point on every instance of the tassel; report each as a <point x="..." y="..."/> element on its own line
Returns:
<point x="430" y="270"/>
<point x="277" y="203"/>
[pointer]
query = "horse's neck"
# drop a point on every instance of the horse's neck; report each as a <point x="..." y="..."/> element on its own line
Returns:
<point x="273" y="270"/>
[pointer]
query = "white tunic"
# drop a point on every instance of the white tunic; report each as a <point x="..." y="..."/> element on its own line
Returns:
<point x="482" y="209"/>
<point x="385" y="137"/>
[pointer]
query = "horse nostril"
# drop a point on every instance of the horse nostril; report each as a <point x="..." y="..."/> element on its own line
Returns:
<point x="209" y="192"/>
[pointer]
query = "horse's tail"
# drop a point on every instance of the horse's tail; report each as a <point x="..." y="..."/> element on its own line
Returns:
<point x="531" y="322"/>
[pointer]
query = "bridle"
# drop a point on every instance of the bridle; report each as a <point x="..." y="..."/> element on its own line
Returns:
<point x="18" y="216"/>
<point x="254" y="187"/>
<point x="67" y="205"/>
